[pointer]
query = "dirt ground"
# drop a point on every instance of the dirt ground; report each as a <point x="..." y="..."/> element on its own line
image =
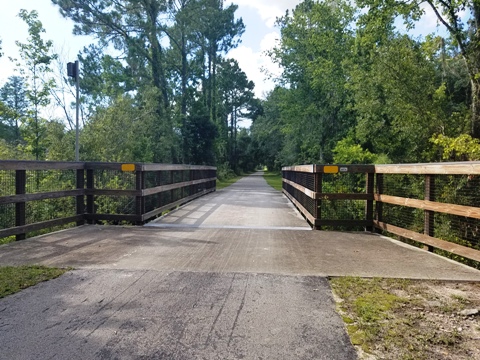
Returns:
<point x="419" y="319"/>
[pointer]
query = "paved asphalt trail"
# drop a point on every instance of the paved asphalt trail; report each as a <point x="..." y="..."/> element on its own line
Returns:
<point x="156" y="312"/>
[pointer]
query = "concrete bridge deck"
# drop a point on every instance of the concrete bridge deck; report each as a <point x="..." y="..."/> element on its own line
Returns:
<point x="233" y="275"/>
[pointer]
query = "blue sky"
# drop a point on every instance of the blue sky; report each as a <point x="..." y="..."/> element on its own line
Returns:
<point x="258" y="15"/>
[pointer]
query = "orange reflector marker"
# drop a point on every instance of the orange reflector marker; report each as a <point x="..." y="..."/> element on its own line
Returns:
<point x="128" y="167"/>
<point x="330" y="169"/>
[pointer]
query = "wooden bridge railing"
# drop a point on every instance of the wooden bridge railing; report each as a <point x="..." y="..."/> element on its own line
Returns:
<point x="37" y="195"/>
<point x="436" y="204"/>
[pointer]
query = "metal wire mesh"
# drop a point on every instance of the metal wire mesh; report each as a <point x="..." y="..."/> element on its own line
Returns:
<point x="458" y="189"/>
<point x="114" y="179"/>
<point x="49" y="209"/>
<point x="119" y="205"/>
<point x="343" y="183"/>
<point x="306" y="180"/>
<point x="450" y="189"/>
<point x="404" y="217"/>
<point x="39" y="181"/>
<point x="307" y="202"/>
<point x="408" y="186"/>
<point x="342" y="209"/>
<point x="7" y="216"/>
<point x="7" y="182"/>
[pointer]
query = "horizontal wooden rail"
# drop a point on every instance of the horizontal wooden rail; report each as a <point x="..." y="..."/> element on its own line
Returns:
<point x="170" y="206"/>
<point x="184" y="183"/>
<point x="159" y="189"/>
<point x="296" y="177"/>
<point x="456" y="168"/>
<point x="13" y="199"/>
<point x="18" y="230"/>
<point x="453" y="248"/>
<point x="453" y="209"/>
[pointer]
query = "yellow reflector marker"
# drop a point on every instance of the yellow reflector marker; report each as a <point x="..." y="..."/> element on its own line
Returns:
<point x="330" y="169"/>
<point x="128" y="167"/>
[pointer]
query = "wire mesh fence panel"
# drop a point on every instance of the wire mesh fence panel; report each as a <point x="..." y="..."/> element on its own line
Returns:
<point x="7" y="182"/>
<point x="343" y="183"/>
<point x="49" y="209"/>
<point x="402" y="185"/>
<point x="108" y="179"/>
<point x="40" y="181"/>
<point x="458" y="229"/>
<point x="7" y="216"/>
<point x="404" y="217"/>
<point x="457" y="189"/>
<point x="307" y="180"/>
<point x="307" y="202"/>
<point x="117" y="205"/>
<point x="342" y="209"/>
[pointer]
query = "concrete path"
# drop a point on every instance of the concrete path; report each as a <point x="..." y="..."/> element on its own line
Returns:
<point x="220" y="278"/>
<point x="248" y="203"/>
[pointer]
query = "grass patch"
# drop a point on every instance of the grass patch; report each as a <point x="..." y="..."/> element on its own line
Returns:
<point x="223" y="183"/>
<point x="15" y="278"/>
<point x="7" y="240"/>
<point x="403" y="319"/>
<point x="274" y="179"/>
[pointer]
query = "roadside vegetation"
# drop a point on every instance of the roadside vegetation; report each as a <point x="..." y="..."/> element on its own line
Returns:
<point x="274" y="179"/>
<point x="223" y="183"/>
<point x="15" y="278"/>
<point x="406" y="319"/>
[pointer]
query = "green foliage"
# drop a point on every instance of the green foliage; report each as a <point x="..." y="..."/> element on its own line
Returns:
<point x="347" y="152"/>
<point x="15" y="278"/>
<point x="274" y="179"/>
<point x="36" y="56"/>
<point x="462" y="147"/>
<point x="127" y="131"/>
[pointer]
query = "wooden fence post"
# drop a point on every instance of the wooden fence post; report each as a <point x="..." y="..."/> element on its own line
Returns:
<point x="379" y="204"/>
<point x="369" y="188"/>
<point x="192" y="187"/>
<point x="80" y="199"/>
<point x="140" y="199"/>
<point x="172" y="180"/>
<point x="318" y="202"/>
<point x="20" y="207"/>
<point x="90" y="197"/>
<point x="429" y="217"/>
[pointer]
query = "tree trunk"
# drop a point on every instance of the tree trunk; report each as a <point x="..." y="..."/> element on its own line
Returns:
<point x="475" y="83"/>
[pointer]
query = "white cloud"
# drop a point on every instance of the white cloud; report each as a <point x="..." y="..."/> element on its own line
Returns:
<point x="269" y="10"/>
<point x="257" y="65"/>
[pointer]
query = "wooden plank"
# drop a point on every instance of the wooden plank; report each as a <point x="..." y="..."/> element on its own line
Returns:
<point x="158" y="189"/>
<point x="113" y="217"/>
<point x="327" y="196"/>
<point x="300" y="168"/>
<point x="311" y="194"/>
<point x="40" y="165"/>
<point x="453" y="248"/>
<point x="460" y="210"/>
<point x="39" y="226"/>
<point x="108" y="192"/>
<point x="109" y="166"/>
<point x="12" y="199"/>
<point x="170" y="206"/>
<point x="456" y="168"/>
<point x="174" y="167"/>
<point x="345" y="196"/>
<point x="300" y="207"/>
<point x="335" y="223"/>
<point x="355" y="168"/>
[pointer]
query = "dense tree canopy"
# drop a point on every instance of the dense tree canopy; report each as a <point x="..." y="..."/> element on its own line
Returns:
<point x="158" y="86"/>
